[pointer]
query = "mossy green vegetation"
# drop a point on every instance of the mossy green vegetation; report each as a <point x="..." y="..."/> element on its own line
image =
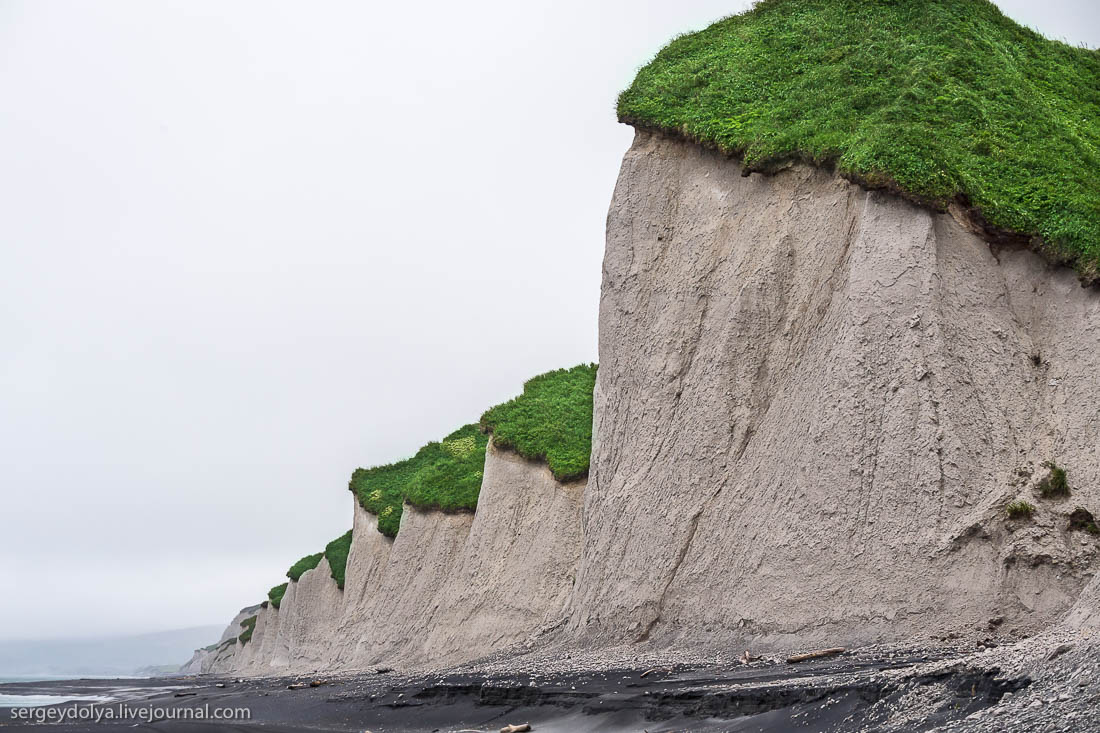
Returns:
<point x="336" y="552"/>
<point x="550" y="421"/>
<point x="307" y="563"/>
<point x="1019" y="509"/>
<point x="442" y="475"/>
<point x="275" y="595"/>
<point x="1055" y="485"/>
<point x="940" y="100"/>
<point x="249" y="625"/>
<point x="452" y="482"/>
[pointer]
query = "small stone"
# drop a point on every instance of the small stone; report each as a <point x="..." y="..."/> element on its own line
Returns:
<point x="1059" y="651"/>
<point x="1035" y="705"/>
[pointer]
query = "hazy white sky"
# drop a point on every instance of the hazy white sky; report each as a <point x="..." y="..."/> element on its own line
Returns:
<point x="246" y="247"/>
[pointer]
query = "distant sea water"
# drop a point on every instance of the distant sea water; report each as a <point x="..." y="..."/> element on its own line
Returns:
<point x="55" y="677"/>
<point x="29" y="701"/>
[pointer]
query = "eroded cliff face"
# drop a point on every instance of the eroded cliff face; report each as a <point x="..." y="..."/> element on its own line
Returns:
<point x="813" y="403"/>
<point x="449" y="588"/>
<point x="518" y="563"/>
<point x="206" y="660"/>
<point x="812" y="407"/>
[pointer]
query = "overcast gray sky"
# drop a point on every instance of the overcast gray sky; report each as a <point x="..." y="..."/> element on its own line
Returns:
<point x="246" y="247"/>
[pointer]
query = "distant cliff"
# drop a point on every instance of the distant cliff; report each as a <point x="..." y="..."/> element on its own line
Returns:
<point x="426" y="579"/>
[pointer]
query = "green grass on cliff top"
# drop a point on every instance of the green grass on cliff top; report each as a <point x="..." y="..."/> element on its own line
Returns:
<point x="307" y="563"/>
<point x="550" y="421"/>
<point x="336" y="552"/>
<point x="934" y="99"/>
<point x="275" y="595"/>
<point x="444" y="475"/>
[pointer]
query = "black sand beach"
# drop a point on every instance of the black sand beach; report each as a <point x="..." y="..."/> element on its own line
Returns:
<point x="846" y="692"/>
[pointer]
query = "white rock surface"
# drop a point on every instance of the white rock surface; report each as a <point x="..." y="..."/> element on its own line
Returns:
<point x="813" y="402"/>
<point x="518" y="563"/>
<point x="309" y="621"/>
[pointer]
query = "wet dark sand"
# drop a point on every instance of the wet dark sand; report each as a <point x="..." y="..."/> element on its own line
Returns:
<point x="842" y="693"/>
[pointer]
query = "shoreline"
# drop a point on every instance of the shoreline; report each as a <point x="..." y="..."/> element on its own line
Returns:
<point x="586" y="693"/>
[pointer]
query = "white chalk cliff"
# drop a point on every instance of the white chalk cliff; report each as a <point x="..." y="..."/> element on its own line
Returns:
<point x="813" y="404"/>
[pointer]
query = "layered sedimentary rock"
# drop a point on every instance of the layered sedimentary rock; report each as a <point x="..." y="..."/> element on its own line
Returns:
<point x="814" y="402"/>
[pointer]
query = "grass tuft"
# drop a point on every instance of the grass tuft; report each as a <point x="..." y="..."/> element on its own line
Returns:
<point x="336" y="552"/>
<point x="939" y="100"/>
<point x="1055" y="485"/>
<point x="307" y="563"/>
<point x="275" y="595"/>
<point x="1019" y="509"/>
<point x="551" y="421"/>
<point x="249" y="625"/>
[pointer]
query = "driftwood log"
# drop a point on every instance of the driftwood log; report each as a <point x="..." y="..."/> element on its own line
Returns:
<point x="816" y="655"/>
<point x="521" y="728"/>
